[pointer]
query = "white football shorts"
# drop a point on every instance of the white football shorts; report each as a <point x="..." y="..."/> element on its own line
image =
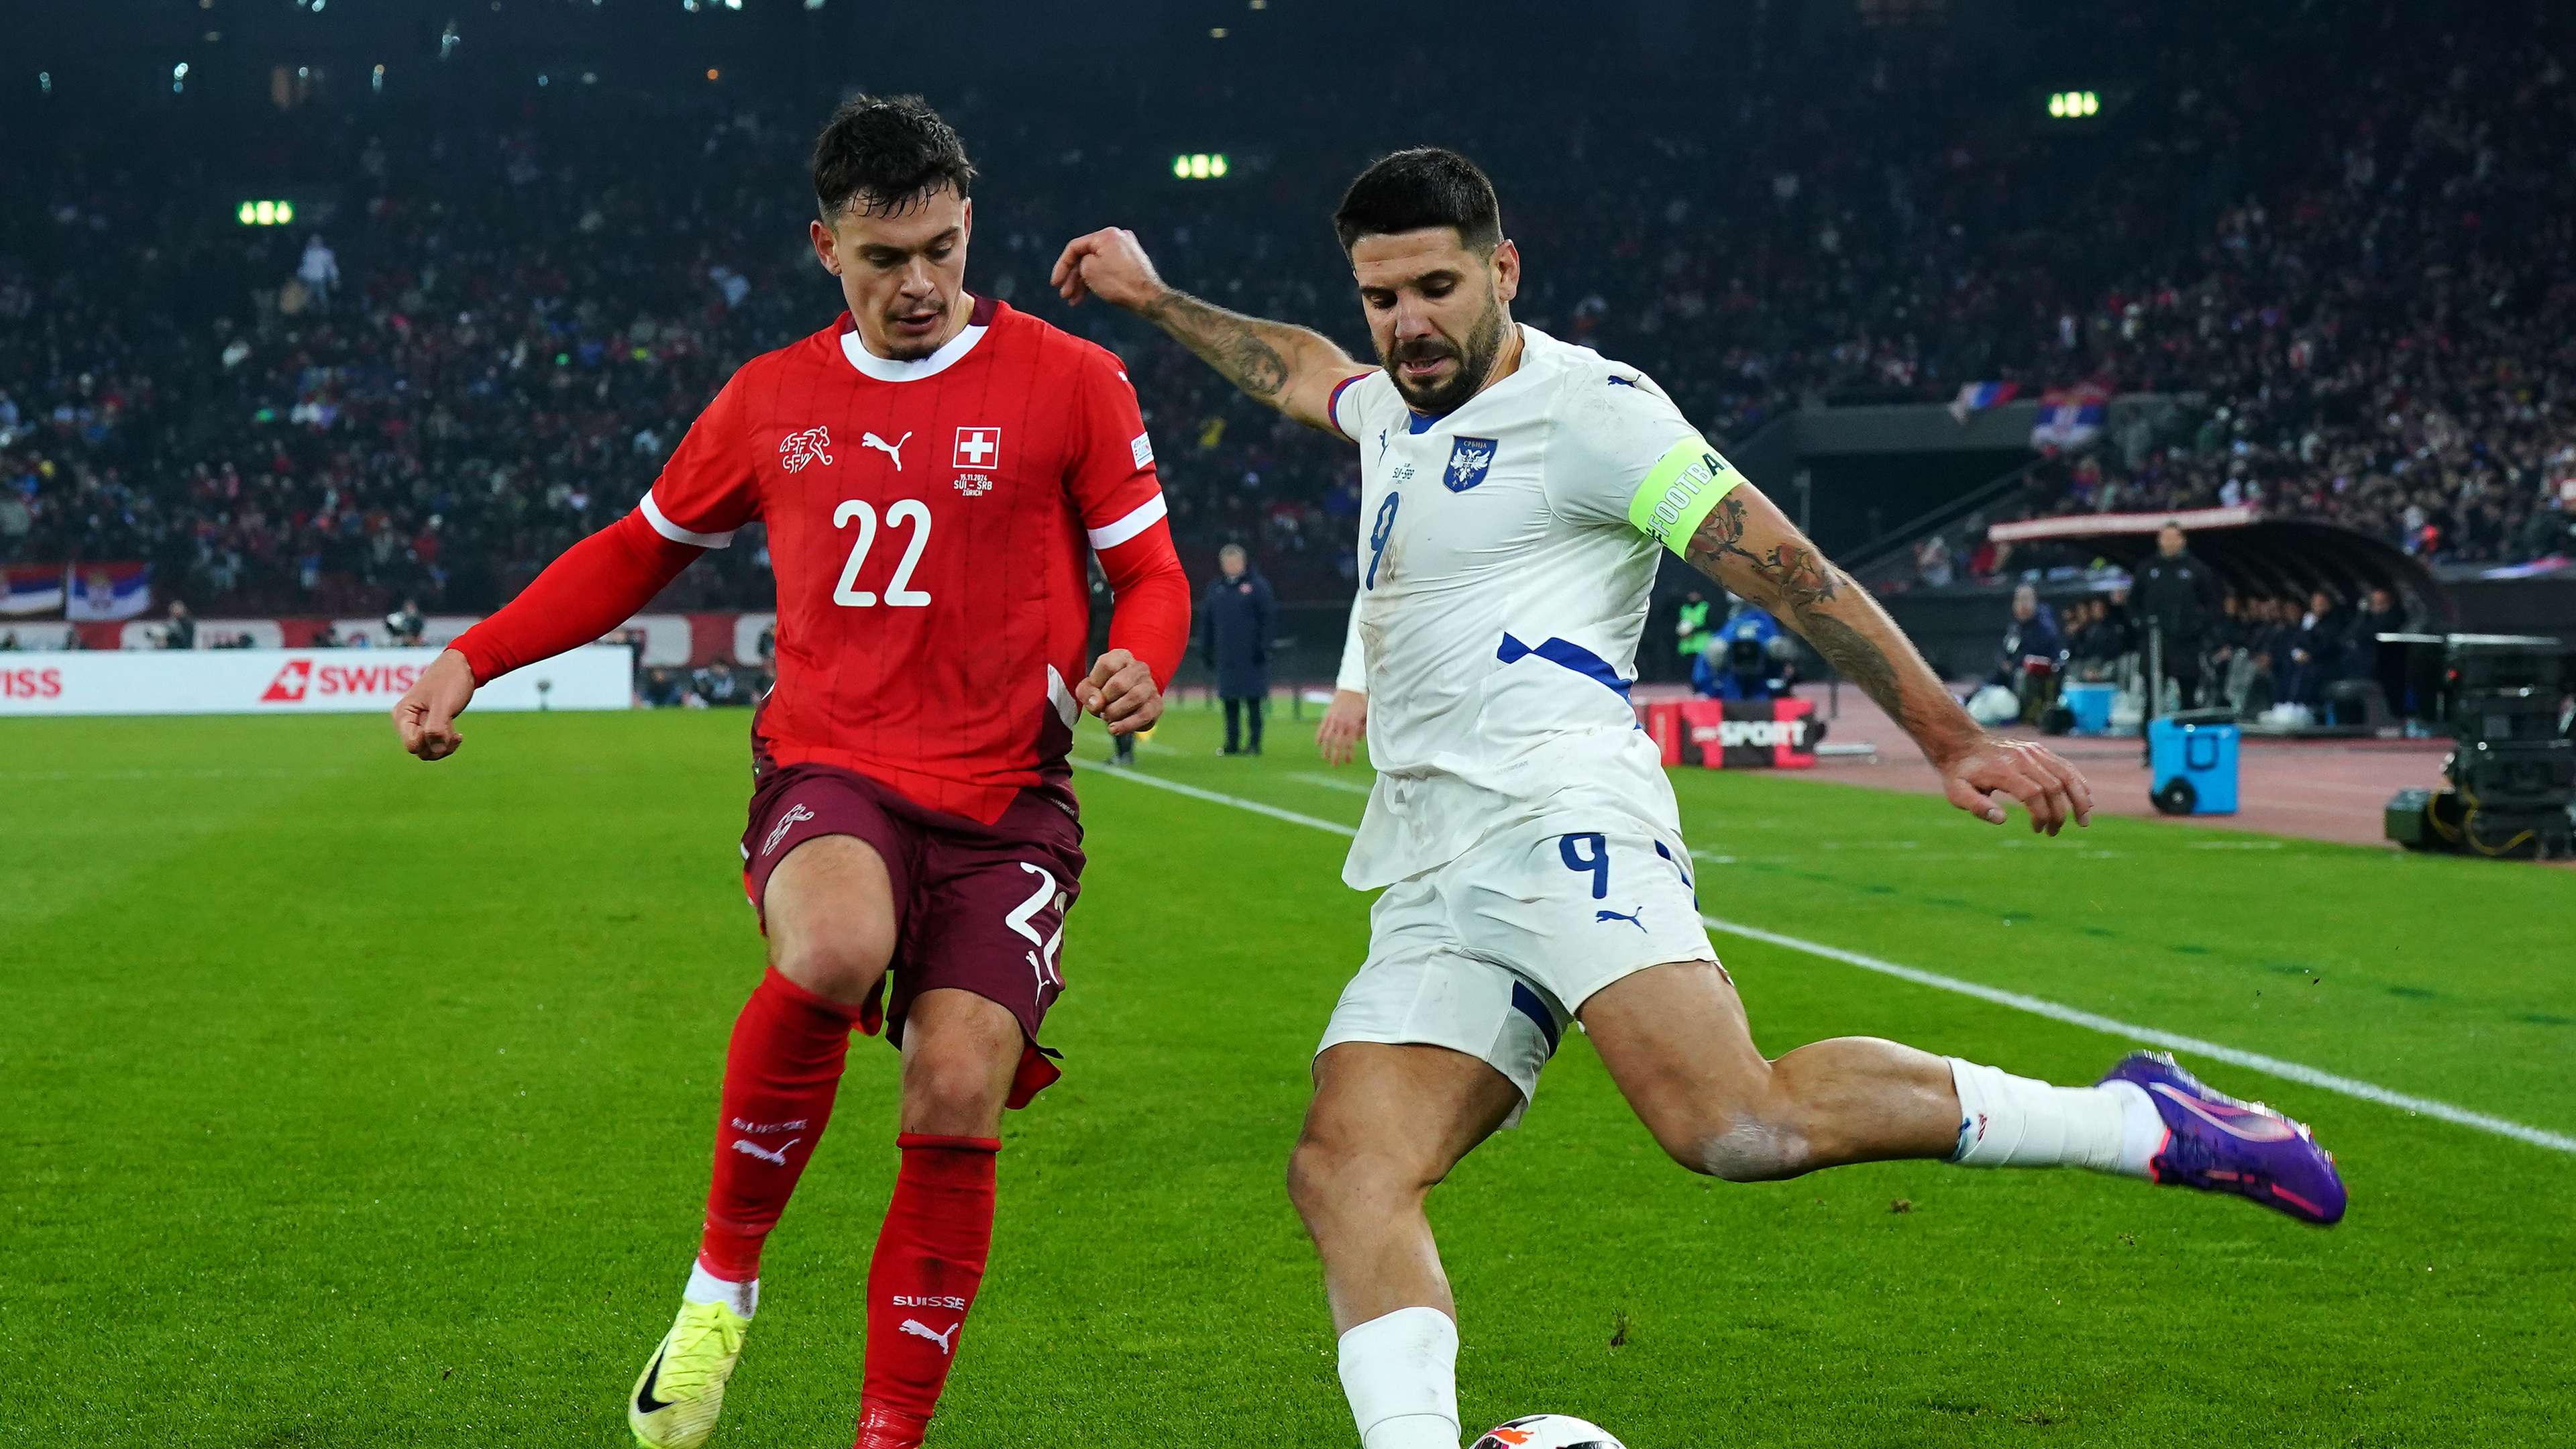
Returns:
<point x="1494" y="953"/>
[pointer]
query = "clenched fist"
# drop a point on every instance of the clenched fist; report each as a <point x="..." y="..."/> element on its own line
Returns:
<point x="1109" y="264"/>
<point x="1120" y="691"/>
<point x="426" y="717"/>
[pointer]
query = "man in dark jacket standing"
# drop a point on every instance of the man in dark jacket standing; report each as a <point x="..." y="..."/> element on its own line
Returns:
<point x="1235" y="625"/>
<point x="2178" y="596"/>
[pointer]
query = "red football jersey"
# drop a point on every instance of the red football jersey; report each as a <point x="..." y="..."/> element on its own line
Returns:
<point x="927" y="522"/>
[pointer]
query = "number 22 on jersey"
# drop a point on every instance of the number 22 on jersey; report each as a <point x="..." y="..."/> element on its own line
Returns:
<point x="899" y="594"/>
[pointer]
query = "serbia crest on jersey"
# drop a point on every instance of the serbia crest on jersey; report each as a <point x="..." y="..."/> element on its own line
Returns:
<point x="927" y="527"/>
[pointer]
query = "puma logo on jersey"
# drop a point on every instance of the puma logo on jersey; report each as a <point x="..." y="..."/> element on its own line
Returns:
<point x="1631" y="917"/>
<point x="892" y="450"/>
<point x="919" y="1329"/>
<point x="777" y="1158"/>
<point x="796" y="450"/>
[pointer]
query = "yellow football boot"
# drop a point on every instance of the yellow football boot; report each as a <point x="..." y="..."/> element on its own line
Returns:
<point x="676" y="1401"/>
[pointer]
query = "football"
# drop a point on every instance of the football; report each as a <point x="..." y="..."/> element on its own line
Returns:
<point x="1548" y="1431"/>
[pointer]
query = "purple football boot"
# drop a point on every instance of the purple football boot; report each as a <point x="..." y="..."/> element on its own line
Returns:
<point x="2218" y="1144"/>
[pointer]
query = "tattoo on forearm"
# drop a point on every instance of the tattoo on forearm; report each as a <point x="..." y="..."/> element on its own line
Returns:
<point x="1230" y="343"/>
<point x="1796" y="573"/>
<point x="1863" y="663"/>
<point x="1804" y="586"/>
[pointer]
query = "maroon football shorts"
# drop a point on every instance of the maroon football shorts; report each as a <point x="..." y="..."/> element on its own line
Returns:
<point x="977" y="907"/>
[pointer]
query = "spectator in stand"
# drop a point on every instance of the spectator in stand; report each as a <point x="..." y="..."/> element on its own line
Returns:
<point x="1932" y="561"/>
<point x="2094" y="644"/>
<point x="404" y="626"/>
<point x="2030" y="636"/>
<point x="2364" y="659"/>
<point x="1236" y="622"/>
<point x="659" y="688"/>
<point x="2316" y="653"/>
<point x="326" y="637"/>
<point x="719" y="687"/>
<point x="2178" y="598"/>
<point x="179" y="631"/>
<point x="319" y="271"/>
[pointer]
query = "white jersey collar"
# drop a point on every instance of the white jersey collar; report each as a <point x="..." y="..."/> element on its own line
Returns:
<point x="886" y="369"/>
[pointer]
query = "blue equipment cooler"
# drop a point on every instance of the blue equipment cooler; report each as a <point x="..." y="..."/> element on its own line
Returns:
<point x="2091" y="706"/>
<point x="2193" y="762"/>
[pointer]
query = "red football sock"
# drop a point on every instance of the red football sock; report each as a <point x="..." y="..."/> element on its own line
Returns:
<point x="929" y="1261"/>
<point x="780" y="1076"/>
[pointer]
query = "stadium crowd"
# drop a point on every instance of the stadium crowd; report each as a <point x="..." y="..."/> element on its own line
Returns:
<point x="483" y="347"/>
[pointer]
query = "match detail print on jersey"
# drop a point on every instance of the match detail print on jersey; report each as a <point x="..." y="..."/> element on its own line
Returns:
<point x="1680" y="490"/>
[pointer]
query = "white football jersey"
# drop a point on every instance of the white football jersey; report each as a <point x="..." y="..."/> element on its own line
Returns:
<point x="1506" y="558"/>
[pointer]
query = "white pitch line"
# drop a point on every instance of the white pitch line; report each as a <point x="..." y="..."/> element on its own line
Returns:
<point x="2035" y="1006"/>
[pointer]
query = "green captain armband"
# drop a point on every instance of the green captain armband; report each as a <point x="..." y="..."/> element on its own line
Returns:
<point x="1680" y="490"/>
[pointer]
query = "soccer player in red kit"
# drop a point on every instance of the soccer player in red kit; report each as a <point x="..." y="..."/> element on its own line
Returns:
<point x="931" y="469"/>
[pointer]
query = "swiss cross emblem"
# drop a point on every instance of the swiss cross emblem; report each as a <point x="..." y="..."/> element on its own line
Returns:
<point x="291" y="682"/>
<point x="796" y="450"/>
<point x="979" y="449"/>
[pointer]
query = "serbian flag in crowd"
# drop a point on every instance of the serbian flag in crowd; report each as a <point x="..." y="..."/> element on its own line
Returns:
<point x="108" y="591"/>
<point x="31" y="589"/>
<point x="1976" y="397"/>
<point x="2069" y="417"/>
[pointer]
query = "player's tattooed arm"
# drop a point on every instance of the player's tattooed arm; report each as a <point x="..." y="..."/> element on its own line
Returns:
<point x="1748" y="545"/>
<point x="1289" y="368"/>
<point x="1263" y="358"/>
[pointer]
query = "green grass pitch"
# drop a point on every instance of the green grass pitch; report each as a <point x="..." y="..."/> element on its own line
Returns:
<point x="352" y="1101"/>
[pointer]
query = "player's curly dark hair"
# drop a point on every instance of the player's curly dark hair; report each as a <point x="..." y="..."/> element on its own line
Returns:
<point x="886" y="155"/>
<point x="1423" y="187"/>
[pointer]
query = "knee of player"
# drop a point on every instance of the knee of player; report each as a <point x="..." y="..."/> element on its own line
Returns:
<point x="953" y="1087"/>
<point x="1739" y="1142"/>
<point x="1327" y="1168"/>
<point x="1748" y="1149"/>
<point x="839" y="966"/>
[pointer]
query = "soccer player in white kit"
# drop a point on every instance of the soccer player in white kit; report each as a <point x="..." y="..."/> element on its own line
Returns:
<point x="1517" y="490"/>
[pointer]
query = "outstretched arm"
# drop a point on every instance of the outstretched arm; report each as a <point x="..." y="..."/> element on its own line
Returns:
<point x="595" y="586"/>
<point x="1748" y="545"/>
<point x="1289" y="368"/>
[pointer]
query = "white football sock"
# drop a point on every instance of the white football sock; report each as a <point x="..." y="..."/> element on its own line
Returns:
<point x="1401" y="1374"/>
<point x="706" y="1287"/>
<point x="2009" y="1121"/>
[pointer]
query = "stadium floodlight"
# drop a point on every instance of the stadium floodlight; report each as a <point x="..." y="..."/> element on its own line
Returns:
<point x="1199" y="165"/>
<point x="376" y="82"/>
<point x="248" y="213"/>
<point x="267" y="213"/>
<point x="2074" y="105"/>
<point x="179" y="71"/>
<point x="44" y="82"/>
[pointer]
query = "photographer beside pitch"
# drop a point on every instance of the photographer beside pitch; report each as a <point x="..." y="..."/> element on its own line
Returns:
<point x="1525" y="836"/>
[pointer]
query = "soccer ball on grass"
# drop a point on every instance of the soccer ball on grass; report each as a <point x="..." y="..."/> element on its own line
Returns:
<point x="1548" y="1431"/>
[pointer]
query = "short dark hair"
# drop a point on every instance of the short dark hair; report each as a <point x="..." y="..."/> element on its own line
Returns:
<point x="1424" y="187"/>
<point x="886" y="154"/>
